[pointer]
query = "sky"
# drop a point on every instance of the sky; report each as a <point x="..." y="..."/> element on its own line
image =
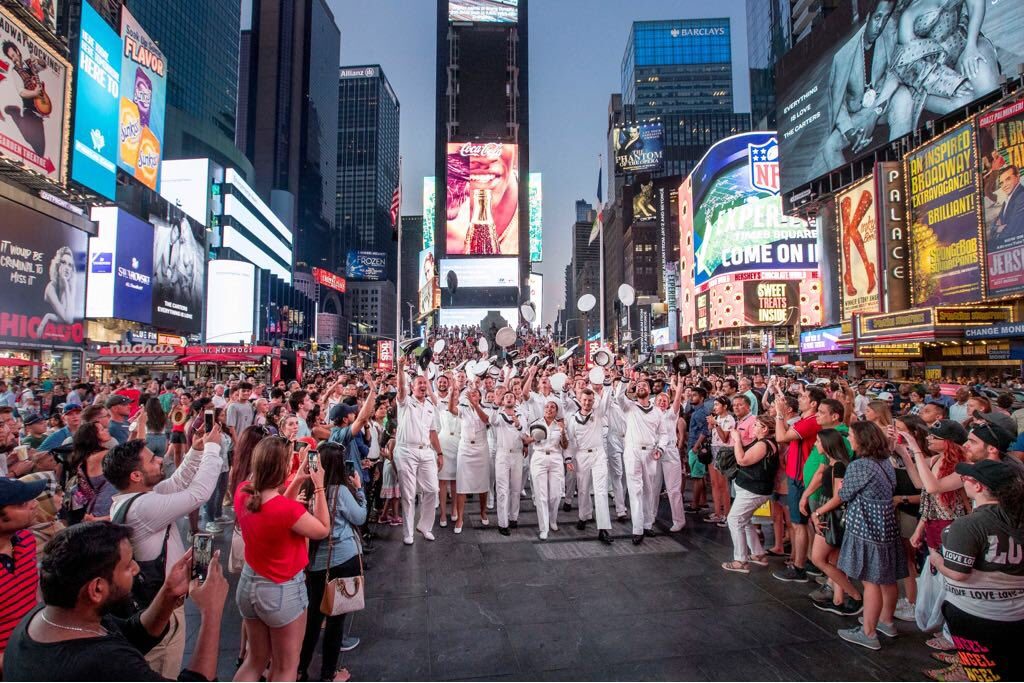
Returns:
<point x="576" y="49"/>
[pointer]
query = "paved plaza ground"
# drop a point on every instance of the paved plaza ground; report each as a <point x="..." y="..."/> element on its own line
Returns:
<point x="480" y="606"/>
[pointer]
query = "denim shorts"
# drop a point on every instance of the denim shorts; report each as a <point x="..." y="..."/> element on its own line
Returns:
<point x="795" y="492"/>
<point x="275" y="604"/>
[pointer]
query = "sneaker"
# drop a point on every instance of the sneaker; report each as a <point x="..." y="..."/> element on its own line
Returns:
<point x="822" y="595"/>
<point x="849" y="608"/>
<point x="821" y="580"/>
<point x="791" y="574"/>
<point x="213" y="528"/>
<point x="712" y="519"/>
<point x="857" y="636"/>
<point x="883" y="628"/>
<point x="829" y="607"/>
<point x="813" y="571"/>
<point x="940" y="643"/>
<point x="904" y="610"/>
<point x="349" y="643"/>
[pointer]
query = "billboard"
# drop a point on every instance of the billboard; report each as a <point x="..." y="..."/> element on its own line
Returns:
<point x="885" y="72"/>
<point x="738" y="224"/>
<point x="489" y="11"/>
<point x="858" y="254"/>
<point x="760" y="302"/>
<point x="536" y="218"/>
<point x="1001" y="145"/>
<point x="945" y="247"/>
<point x="366" y="265"/>
<point x="42" y="266"/>
<point x="482" y="202"/>
<point x="385" y="355"/>
<point x="767" y="302"/>
<point x="186" y="184"/>
<point x="35" y="89"/>
<point x="94" y="154"/>
<point x="143" y="99"/>
<point x="120" y="274"/>
<point x="429" y="202"/>
<point x="479" y="272"/>
<point x="536" y="285"/>
<point x="326" y="278"/>
<point x="426" y="283"/>
<point x="179" y="263"/>
<point x="44" y="11"/>
<point x="825" y="340"/>
<point x="638" y="147"/>
<point x="893" y="229"/>
<point x="476" y="316"/>
<point x="231" y="302"/>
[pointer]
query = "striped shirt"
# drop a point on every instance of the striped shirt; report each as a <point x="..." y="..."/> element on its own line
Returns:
<point x="19" y="579"/>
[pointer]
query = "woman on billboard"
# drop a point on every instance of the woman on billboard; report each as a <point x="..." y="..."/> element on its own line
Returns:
<point x="60" y="292"/>
<point x="483" y="199"/>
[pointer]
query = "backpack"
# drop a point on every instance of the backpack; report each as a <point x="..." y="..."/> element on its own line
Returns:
<point x="151" y="574"/>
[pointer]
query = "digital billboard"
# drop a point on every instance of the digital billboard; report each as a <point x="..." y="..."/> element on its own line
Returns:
<point x="120" y="277"/>
<point x="1001" y="145"/>
<point x="485" y="11"/>
<point x="770" y="302"/>
<point x="760" y="303"/>
<point x="143" y="100"/>
<point x="366" y="265"/>
<point x="230" y="302"/>
<point x="429" y="202"/>
<point x="472" y="273"/>
<point x="94" y="154"/>
<point x="482" y="202"/>
<point x="326" y="278"/>
<point x="945" y="247"/>
<point x="536" y="284"/>
<point x="451" y="317"/>
<point x="44" y="11"/>
<point x="858" y="254"/>
<point x="186" y="184"/>
<point x="638" y="147"/>
<point x="536" y="218"/>
<point x="825" y="340"/>
<point x="426" y="282"/>
<point x="738" y="224"/>
<point x="35" y="86"/>
<point x="179" y="266"/>
<point x="42" y="266"/>
<point x="887" y="72"/>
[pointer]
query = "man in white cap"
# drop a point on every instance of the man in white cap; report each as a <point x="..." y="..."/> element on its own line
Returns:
<point x="643" y="433"/>
<point x="508" y="425"/>
<point x="418" y="455"/>
<point x="586" y="450"/>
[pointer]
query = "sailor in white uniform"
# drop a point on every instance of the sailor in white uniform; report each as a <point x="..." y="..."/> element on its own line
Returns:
<point x="643" y="434"/>
<point x="586" y="449"/>
<point x="547" y="468"/>
<point x="508" y="424"/>
<point x="418" y="455"/>
<point x="669" y="468"/>
<point x="615" y="434"/>
<point x="449" y="429"/>
<point x="473" y="474"/>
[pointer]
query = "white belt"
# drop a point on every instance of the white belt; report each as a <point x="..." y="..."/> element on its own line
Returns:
<point x="406" y="444"/>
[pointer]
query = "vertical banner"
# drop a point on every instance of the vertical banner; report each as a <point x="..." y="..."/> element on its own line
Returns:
<point x="536" y="218"/>
<point x="429" y="201"/>
<point x="858" y="241"/>
<point x="94" y="157"/>
<point x="944" y="241"/>
<point x="892" y="215"/>
<point x="1001" y="145"/>
<point x="645" y="329"/>
<point x="385" y="355"/>
<point x="143" y="100"/>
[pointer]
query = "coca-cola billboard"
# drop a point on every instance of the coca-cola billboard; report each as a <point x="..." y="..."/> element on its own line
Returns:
<point x="482" y="201"/>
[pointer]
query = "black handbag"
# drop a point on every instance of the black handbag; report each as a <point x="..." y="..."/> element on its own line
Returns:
<point x="703" y="453"/>
<point x="835" y="525"/>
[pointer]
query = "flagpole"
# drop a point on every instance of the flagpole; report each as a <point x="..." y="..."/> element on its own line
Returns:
<point x="398" y="285"/>
<point x="600" y="272"/>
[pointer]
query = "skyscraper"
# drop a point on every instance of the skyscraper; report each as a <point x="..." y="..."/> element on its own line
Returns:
<point x="201" y="41"/>
<point x="368" y="121"/>
<point x="768" y="37"/>
<point x="292" y="121"/>
<point x="412" y="245"/>
<point x="585" y="259"/>
<point x="806" y="14"/>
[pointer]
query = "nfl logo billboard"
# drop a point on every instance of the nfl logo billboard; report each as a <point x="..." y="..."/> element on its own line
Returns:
<point x="764" y="166"/>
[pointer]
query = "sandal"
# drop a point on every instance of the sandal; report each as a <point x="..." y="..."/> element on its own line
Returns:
<point x="941" y="643"/>
<point x="734" y="566"/>
<point x="759" y="560"/>
<point x="774" y="553"/>
<point x="946" y="657"/>
<point x="950" y="673"/>
<point x="342" y="675"/>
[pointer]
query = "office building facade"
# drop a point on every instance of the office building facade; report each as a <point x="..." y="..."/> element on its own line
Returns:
<point x="412" y="245"/>
<point x="769" y="35"/>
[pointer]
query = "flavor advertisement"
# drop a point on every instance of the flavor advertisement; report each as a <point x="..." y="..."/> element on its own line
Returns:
<point x="1001" y="145"/>
<point x="944" y="243"/>
<point x="143" y="99"/>
<point x="858" y="254"/>
<point x="482" y="203"/>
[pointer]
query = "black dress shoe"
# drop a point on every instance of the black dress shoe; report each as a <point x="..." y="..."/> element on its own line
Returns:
<point x="622" y="518"/>
<point x="513" y="524"/>
<point x="581" y="525"/>
<point x="566" y="507"/>
<point x="638" y="539"/>
<point x="503" y="530"/>
<point x="649" y="533"/>
<point x="604" y="537"/>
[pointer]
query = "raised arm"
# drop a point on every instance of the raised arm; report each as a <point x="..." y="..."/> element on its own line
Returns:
<point x="400" y="378"/>
<point x="367" y="410"/>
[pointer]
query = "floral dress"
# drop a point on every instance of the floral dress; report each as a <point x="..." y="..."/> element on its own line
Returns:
<point x="872" y="549"/>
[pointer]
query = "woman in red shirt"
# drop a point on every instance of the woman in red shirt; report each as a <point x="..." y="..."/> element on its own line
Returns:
<point x="271" y="590"/>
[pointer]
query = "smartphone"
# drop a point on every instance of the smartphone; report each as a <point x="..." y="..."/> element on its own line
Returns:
<point x="298" y="445"/>
<point x="314" y="461"/>
<point x="202" y="555"/>
<point x="208" y="421"/>
<point x="350" y="469"/>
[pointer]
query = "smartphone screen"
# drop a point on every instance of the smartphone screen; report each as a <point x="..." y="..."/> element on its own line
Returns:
<point x="298" y="446"/>
<point x="208" y="421"/>
<point x="314" y="461"/>
<point x="350" y="470"/>
<point x="202" y="555"/>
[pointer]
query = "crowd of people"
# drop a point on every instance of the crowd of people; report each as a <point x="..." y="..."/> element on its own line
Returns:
<point x="905" y="506"/>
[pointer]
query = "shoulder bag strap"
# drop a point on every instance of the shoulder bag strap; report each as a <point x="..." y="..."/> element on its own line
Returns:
<point x="330" y="532"/>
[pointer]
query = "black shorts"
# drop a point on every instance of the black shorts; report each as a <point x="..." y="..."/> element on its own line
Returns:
<point x="178" y="437"/>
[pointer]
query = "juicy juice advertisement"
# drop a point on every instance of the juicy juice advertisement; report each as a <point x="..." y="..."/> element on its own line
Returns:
<point x="143" y="99"/>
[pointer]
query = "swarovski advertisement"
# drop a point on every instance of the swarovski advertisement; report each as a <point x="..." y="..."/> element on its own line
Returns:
<point x="490" y="11"/>
<point x="365" y="265"/>
<point x="944" y="241"/>
<point x="143" y="98"/>
<point x="42" y="266"/>
<point x="94" y="154"/>
<point x="858" y="258"/>
<point x="482" y="206"/>
<point x="179" y="262"/>
<point x="888" y="72"/>
<point x="638" y="148"/>
<point x="536" y="218"/>
<point x="35" y="82"/>
<point x="767" y="302"/>
<point x="120" y="267"/>
<point x="1001" y="144"/>
<point x="738" y="225"/>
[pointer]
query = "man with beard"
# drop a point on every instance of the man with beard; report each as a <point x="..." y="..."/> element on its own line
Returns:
<point x="643" y="432"/>
<point x="508" y="425"/>
<point x="586" y="448"/>
<point x="86" y="574"/>
<point x="150" y="507"/>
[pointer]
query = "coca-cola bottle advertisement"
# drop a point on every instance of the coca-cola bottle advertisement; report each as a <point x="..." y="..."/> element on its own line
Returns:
<point x="483" y="199"/>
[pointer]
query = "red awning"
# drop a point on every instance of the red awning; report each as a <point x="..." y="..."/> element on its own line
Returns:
<point x="18" y="363"/>
<point x="220" y="358"/>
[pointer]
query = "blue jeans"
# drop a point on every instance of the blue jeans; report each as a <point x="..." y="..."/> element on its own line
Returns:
<point x="214" y="507"/>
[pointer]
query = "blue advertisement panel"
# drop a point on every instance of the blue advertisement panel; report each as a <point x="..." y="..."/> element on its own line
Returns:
<point x="133" y="269"/>
<point x="366" y="265"/>
<point x="143" y="99"/>
<point x="94" y="156"/>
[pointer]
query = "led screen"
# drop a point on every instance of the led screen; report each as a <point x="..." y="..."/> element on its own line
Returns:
<point x="429" y="202"/>
<point x="426" y="287"/>
<point x="143" y="99"/>
<point x="482" y="203"/>
<point x="536" y="218"/>
<point x="366" y="265"/>
<point x="179" y="264"/>
<point x="230" y="302"/>
<point x="536" y="282"/>
<point x="1001" y="143"/>
<point x="475" y="316"/>
<point x="489" y="11"/>
<point x="480" y="272"/>
<point x="120" y="267"/>
<point x="638" y="147"/>
<point x="94" y="156"/>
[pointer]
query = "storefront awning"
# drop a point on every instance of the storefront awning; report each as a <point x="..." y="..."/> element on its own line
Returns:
<point x="18" y="363"/>
<point x="220" y="358"/>
<point x="136" y="359"/>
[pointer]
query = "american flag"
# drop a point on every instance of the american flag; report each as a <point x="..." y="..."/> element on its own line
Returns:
<point x="396" y="203"/>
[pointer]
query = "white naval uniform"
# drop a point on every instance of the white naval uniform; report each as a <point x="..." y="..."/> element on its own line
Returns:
<point x="571" y="406"/>
<point x="416" y="463"/>
<point x="669" y="471"/>
<point x="508" y="464"/>
<point x="449" y="429"/>
<point x="492" y="451"/>
<point x="474" y="467"/>
<point x="615" y="428"/>
<point x="547" y="472"/>
<point x="643" y="433"/>
<point x="586" y="447"/>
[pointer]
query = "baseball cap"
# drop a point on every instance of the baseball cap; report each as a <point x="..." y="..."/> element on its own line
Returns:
<point x="884" y="396"/>
<point x="950" y="430"/>
<point x="1001" y="420"/>
<point x="33" y="418"/>
<point x="993" y="435"/>
<point x="341" y="410"/>
<point x="991" y="474"/>
<point x="15" y="491"/>
<point x="117" y="400"/>
<point x="71" y="408"/>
